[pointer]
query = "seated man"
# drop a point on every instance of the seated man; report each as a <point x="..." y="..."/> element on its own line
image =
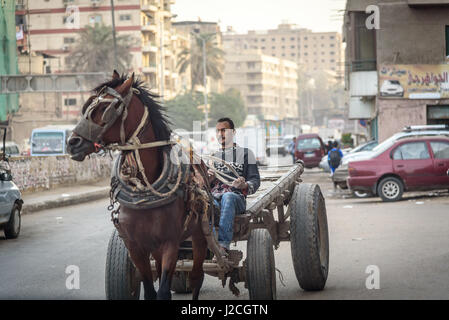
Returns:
<point x="231" y="199"/>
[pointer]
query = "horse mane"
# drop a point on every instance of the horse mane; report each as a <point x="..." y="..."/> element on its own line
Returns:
<point x="157" y="113"/>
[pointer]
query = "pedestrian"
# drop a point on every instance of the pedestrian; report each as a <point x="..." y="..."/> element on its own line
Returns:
<point x="291" y="149"/>
<point x="334" y="157"/>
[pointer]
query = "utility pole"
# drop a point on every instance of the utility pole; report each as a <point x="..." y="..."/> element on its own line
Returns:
<point x="114" y="36"/>
<point x="28" y="37"/>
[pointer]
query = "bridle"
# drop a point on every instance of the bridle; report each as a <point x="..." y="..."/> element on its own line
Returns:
<point x="118" y="107"/>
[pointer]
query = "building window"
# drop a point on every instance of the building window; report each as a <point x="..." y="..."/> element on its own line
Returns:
<point x="69" y="40"/>
<point x="263" y="48"/>
<point x="332" y="52"/>
<point x="306" y="46"/>
<point x="293" y="47"/>
<point x="305" y="38"/>
<point x="273" y="39"/>
<point x="125" y="17"/>
<point x="332" y="37"/>
<point x="70" y="102"/>
<point x="283" y="39"/>
<point x="95" y="19"/>
<point x="332" y="45"/>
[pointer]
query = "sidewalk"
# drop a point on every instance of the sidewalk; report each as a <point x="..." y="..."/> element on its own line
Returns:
<point x="64" y="196"/>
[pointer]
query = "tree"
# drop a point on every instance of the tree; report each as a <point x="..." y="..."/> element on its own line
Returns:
<point x="193" y="57"/>
<point x="230" y="104"/>
<point x="183" y="110"/>
<point x="94" y="50"/>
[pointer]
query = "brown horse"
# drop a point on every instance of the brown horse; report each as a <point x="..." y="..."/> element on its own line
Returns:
<point x="113" y="115"/>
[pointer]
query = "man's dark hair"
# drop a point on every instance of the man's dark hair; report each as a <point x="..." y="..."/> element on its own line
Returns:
<point x="228" y="120"/>
<point x="336" y="144"/>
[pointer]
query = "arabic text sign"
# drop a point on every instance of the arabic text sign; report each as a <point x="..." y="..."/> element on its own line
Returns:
<point x="414" y="81"/>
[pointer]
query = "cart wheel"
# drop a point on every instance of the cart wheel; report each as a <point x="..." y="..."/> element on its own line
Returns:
<point x="309" y="237"/>
<point x="180" y="282"/>
<point x="260" y="271"/>
<point x="122" y="280"/>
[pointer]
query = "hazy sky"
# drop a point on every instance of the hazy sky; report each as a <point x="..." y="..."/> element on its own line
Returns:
<point x="244" y="15"/>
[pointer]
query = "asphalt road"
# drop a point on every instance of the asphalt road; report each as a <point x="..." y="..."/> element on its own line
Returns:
<point x="407" y="241"/>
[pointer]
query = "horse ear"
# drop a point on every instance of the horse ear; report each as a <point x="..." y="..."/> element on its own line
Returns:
<point x="126" y="86"/>
<point x="115" y="75"/>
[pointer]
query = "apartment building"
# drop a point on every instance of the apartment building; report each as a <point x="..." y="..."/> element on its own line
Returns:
<point x="267" y="84"/>
<point x="312" y="51"/>
<point x="397" y="75"/>
<point x="54" y="26"/>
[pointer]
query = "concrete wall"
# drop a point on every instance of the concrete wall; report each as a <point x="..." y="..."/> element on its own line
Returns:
<point x="41" y="173"/>
<point x="394" y="115"/>
<point x="411" y="35"/>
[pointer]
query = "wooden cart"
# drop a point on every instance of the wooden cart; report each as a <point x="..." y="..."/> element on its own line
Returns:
<point x="304" y="224"/>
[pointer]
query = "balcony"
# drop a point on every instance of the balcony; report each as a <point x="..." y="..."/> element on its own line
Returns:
<point x="149" y="6"/>
<point x="362" y="65"/>
<point x="363" y="83"/>
<point x="152" y="68"/>
<point x="149" y="47"/>
<point x="150" y="28"/>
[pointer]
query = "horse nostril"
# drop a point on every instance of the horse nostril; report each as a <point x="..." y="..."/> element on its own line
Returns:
<point x="75" y="142"/>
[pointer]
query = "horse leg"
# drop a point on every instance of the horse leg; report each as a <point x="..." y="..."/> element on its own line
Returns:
<point x="169" y="259"/>
<point x="142" y="263"/>
<point x="199" y="245"/>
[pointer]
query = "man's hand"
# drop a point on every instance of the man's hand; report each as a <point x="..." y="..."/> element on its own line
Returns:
<point x="210" y="175"/>
<point x="240" y="183"/>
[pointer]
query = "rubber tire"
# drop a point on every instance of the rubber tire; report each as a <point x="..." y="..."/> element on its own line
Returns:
<point x="385" y="180"/>
<point x="180" y="282"/>
<point x="121" y="276"/>
<point x="309" y="237"/>
<point x="260" y="266"/>
<point x="10" y="232"/>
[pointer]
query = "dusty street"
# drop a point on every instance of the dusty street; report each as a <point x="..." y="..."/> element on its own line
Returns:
<point x="406" y="240"/>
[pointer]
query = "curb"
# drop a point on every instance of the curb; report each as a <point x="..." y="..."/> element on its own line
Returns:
<point x="66" y="201"/>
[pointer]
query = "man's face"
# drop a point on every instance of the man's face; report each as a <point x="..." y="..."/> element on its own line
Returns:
<point x="225" y="135"/>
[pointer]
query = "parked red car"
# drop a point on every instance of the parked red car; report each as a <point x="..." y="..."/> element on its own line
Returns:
<point x="310" y="149"/>
<point x="407" y="165"/>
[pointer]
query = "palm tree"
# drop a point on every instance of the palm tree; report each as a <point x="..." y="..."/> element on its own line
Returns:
<point x="94" y="50"/>
<point x="193" y="58"/>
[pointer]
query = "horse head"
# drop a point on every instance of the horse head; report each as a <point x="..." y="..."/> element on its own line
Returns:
<point x="109" y="116"/>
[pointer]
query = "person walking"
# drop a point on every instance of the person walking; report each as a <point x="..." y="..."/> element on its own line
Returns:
<point x="334" y="157"/>
<point x="291" y="149"/>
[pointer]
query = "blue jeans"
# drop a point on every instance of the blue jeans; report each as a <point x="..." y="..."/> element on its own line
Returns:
<point x="230" y="204"/>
